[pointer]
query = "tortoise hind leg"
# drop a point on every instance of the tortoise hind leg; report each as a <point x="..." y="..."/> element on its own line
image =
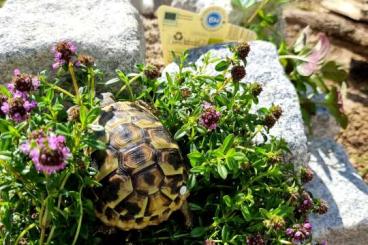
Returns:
<point x="187" y="214"/>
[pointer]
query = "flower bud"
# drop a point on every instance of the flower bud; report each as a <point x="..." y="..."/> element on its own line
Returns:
<point x="86" y="60"/>
<point x="269" y="121"/>
<point x="306" y="174"/>
<point x="238" y="73"/>
<point x="243" y="50"/>
<point x="255" y="240"/>
<point x="256" y="89"/>
<point x="276" y="111"/>
<point x="152" y="72"/>
<point x="322" y="207"/>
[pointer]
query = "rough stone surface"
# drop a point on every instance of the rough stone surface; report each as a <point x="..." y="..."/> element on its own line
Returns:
<point x="323" y="124"/>
<point x="336" y="181"/>
<point x="263" y="66"/>
<point x="235" y="15"/>
<point x="148" y="7"/>
<point x="109" y="30"/>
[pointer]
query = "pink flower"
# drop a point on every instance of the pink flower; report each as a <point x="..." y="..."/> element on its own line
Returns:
<point x="23" y="83"/>
<point x="18" y="109"/>
<point x="48" y="153"/>
<point x="64" y="52"/>
<point x="317" y="54"/>
<point x="209" y="117"/>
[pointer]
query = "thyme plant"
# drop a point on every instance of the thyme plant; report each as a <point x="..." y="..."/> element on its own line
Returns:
<point x="44" y="166"/>
<point x="241" y="192"/>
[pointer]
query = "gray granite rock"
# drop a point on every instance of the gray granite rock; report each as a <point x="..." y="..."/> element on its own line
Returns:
<point x="109" y="30"/>
<point x="263" y="66"/>
<point x="336" y="181"/>
<point x="148" y="7"/>
<point x="324" y="125"/>
<point x="235" y="15"/>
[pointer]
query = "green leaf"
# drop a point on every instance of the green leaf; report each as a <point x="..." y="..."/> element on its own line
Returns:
<point x="227" y="200"/>
<point x="225" y="233"/>
<point x="4" y="91"/>
<point x="222" y="65"/>
<point x="180" y="133"/>
<point x="112" y="81"/>
<point x="192" y="180"/>
<point x="333" y="103"/>
<point x="222" y="171"/>
<point x="334" y="72"/>
<point x="240" y="156"/>
<point x="195" y="158"/>
<point x="246" y="213"/>
<point x="95" y="144"/>
<point x="228" y="142"/>
<point x="198" y="232"/>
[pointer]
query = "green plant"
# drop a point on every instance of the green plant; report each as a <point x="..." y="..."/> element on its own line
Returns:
<point x="44" y="168"/>
<point x="241" y="192"/>
<point x="307" y="69"/>
<point x="261" y="16"/>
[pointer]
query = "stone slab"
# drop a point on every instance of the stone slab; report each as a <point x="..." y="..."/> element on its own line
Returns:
<point x="109" y="30"/>
<point x="336" y="181"/>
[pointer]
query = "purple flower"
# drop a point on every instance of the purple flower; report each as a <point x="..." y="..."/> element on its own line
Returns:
<point x="307" y="226"/>
<point x="255" y="240"/>
<point x="209" y="117"/>
<point x="306" y="203"/>
<point x="18" y="109"/>
<point x="289" y="232"/>
<point x="3" y="102"/>
<point x="298" y="236"/>
<point x="16" y="93"/>
<point x="299" y="232"/>
<point x="48" y="153"/>
<point x="23" y="83"/>
<point x="64" y="52"/>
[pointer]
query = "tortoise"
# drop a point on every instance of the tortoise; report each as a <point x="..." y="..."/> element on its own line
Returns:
<point x="142" y="172"/>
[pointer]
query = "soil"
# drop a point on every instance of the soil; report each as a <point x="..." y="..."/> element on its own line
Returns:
<point x="154" y="54"/>
<point x="355" y="137"/>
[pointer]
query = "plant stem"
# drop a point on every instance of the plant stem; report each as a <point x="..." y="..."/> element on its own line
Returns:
<point x="222" y="87"/>
<point x="92" y="88"/>
<point x="43" y="226"/>
<point x="80" y="217"/>
<point x="59" y="89"/>
<point x="58" y="205"/>
<point x="260" y="7"/>
<point x="127" y="84"/>
<point x="75" y="83"/>
<point x="295" y="57"/>
<point x="24" y="232"/>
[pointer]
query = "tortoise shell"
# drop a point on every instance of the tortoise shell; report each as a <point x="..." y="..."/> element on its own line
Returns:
<point x="141" y="171"/>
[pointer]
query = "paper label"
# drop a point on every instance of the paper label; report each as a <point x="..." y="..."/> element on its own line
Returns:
<point x="181" y="30"/>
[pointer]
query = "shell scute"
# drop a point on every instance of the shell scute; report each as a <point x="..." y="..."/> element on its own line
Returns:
<point x="125" y="134"/>
<point x="148" y="181"/>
